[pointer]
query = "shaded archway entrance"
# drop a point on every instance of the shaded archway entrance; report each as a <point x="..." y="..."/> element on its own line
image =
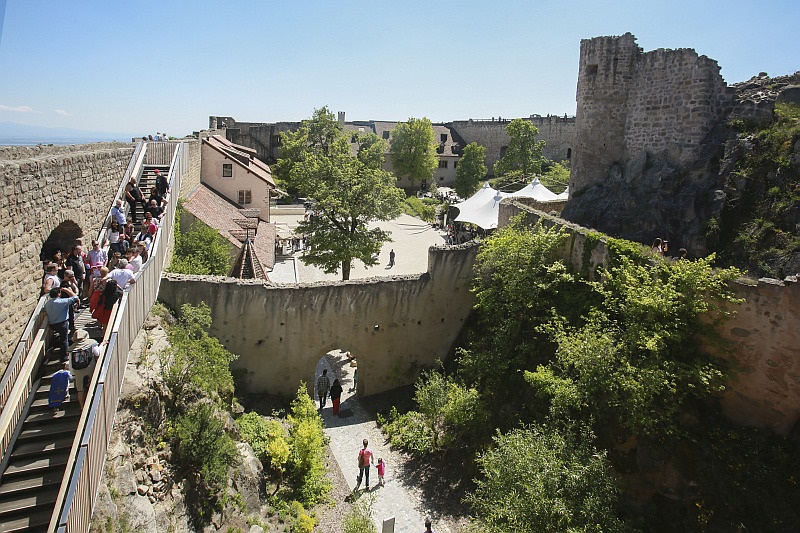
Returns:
<point x="342" y="365"/>
<point x="63" y="238"/>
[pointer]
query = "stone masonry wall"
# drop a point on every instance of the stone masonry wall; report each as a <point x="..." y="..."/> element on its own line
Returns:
<point x="395" y="325"/>
<point x="632" y="102"/>
<point x="762" y="340"/>
<point x="557" y="132"/>
<point x="42" y="188"/>
<point x="191" y="179"/>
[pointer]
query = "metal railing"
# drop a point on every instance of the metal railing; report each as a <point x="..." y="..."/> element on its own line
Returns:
<point x="75" y="502"/>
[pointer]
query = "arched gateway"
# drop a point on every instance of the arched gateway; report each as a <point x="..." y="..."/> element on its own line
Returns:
<point x="396" y="325"/>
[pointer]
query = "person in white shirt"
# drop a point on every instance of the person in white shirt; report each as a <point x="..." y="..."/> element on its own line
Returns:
<point x="122" y="275"/>
<point x="135" y="264"/>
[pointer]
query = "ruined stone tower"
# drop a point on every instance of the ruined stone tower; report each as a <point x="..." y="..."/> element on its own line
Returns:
<point x="648" y="128"/>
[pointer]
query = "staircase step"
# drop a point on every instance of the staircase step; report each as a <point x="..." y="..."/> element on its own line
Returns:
<point x="28" y="466"/>
<point x="47" y="416"/>
<point x="23" y="502"/>
<point x="40" y="447"/>
<point x="43" y="401"/>
<point x="30" y="524"/>
<point x="67" y="425"/>
<point x="50" y="477"/>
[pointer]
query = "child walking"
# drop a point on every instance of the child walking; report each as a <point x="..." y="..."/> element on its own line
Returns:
<point x="381" y="470"/>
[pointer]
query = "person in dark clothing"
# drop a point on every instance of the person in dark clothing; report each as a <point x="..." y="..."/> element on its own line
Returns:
<point x="336" y="395"/>
<point x="391" y="258"/>
<point x="75" y="263"/>
<point x="133" y="195"/>
<point x="162" y="185"/>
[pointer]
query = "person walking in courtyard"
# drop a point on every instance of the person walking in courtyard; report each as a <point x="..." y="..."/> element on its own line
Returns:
<point x="391" y="258"/>
<point x="428" y="526"/>
<point x="336" y="396"/>
<point x="365" y="458"/>
<point x="381" y="468"/>
<point x="323" y="387"/>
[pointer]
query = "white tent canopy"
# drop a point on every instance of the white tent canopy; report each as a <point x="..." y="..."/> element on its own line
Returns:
<point x="483" y="207"/>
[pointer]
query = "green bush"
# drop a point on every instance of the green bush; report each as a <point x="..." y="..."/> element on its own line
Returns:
<point x="415" y="207"/>
<point x="205" y="448"/>
<point x="196" y="365"/>
<point x="268" y="439"/>
<point x="201" y="250"/>
<point x="359" y="518"/>
<point x="308" y="441"/>
<point x="541" y="479"/>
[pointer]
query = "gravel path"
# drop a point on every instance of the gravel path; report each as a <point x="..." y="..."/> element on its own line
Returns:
<point x="399" y="498"/>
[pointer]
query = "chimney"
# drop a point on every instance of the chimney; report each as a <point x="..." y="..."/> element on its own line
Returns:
<point x="341" y="118"/>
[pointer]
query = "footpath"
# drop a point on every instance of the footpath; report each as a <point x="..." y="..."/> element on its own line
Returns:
<point x="346" y="432"/>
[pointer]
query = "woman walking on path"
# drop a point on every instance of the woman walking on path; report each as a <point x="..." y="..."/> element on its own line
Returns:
<point x="336" y="396"/>
<point x="365" y="458"/>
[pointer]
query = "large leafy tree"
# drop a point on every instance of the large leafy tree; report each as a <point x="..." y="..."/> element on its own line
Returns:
<point x="349" y="192"/>
<point x="523" y="156"/>
<point x="471" y="170"/>
<point x="413" y="150"/>
<point x="541" y="479"/>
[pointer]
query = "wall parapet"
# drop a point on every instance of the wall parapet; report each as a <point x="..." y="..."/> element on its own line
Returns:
<point x="395" y="325"/>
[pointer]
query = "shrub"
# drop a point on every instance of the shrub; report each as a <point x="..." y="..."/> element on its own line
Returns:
<point x="268" y="440"/>
<point x="201" y="250"/>
<point x="205" y="448"/>
<point x="359" y="518"/>
<point x="540" y="479"/>
<point x="308" y="441"/>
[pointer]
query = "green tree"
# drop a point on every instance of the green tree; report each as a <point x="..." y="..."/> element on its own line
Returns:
<point x="206" y="452"/>
<point x="471" y="170"/>
<point x="308" y="443"/>
<point x="523" y="157"/>
<point x="196" y="365"/>
<point x="349" y="191"/>
<point x="556" y="177"/>
<point x="413" y="150"/>
<point x="359" y="518"/>
<point x="540" y="479"/>
<point x="201" y="250"/>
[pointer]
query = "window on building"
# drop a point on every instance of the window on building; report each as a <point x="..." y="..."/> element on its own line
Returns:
<point x="443" y="137"/>
<point x="245" y="197"/>
<point x="227" y="170"/>
<point x="441" y="178"/>
<point x="591" y="70"/>
<point x="276" y="140"/>
<point x="385" y="134"/>
<point x="569" y="153"/>
<point x="503" y="150"/>
<point x="455" y="164"/>
<point x="442" y="164"/>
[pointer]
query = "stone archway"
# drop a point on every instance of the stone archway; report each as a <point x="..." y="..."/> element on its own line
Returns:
<point x="342" y="365"/>
<point x="63" y="238"/>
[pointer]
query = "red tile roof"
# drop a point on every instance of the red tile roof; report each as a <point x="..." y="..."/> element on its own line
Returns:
<point x="216" y="211"/>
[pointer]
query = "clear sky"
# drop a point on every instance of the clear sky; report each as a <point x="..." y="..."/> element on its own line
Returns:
<point x="144" y="66"/>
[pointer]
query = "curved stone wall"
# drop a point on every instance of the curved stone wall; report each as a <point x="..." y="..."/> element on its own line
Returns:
<point x="395" y="326"/>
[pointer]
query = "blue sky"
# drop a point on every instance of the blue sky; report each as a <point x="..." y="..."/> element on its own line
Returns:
<point x="146" y="66"/>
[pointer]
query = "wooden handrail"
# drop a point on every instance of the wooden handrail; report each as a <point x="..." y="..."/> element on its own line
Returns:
<point x="19" y="393"/>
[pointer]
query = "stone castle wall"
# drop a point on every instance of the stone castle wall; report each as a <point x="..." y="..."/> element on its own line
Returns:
<point x="394" y="326"/>
<point x="632" y="102"/>
<point x="191" y="179"/>
<point x="48" y="194"/>
<point x="762" y="339"/>
<point x="557" y="132"/>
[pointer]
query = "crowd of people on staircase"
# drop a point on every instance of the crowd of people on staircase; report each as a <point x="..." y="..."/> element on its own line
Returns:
<point x="97" y="278"/>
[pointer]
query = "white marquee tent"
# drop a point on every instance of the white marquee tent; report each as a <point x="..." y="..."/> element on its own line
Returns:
<point x="483" y="207"/>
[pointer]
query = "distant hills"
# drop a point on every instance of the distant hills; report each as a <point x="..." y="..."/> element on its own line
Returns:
<point x="15" y="133"/>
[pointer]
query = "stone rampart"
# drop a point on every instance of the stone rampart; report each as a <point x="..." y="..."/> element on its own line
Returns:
<point x="557" y="132"/>
<point x="395" y="326"/>
<point x="53" y="194"/>
<point x="191" y="179"/>
<point x="761" y="341"/>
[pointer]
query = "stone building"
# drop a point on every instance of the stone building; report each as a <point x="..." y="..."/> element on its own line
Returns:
<point x="557" y="132"/>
